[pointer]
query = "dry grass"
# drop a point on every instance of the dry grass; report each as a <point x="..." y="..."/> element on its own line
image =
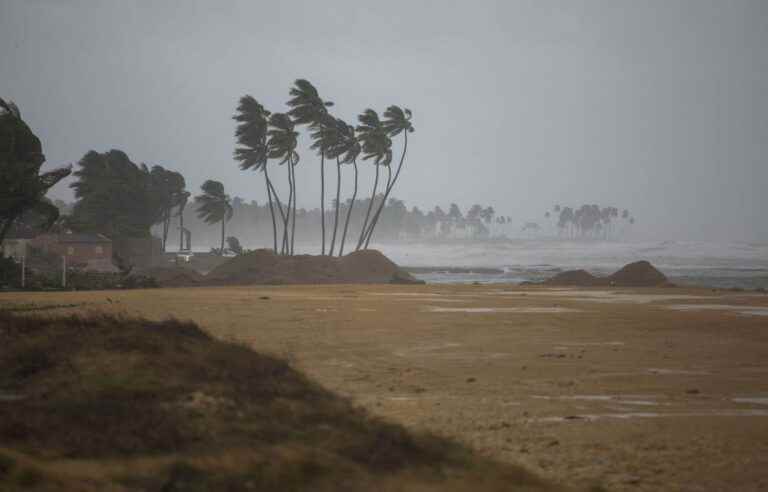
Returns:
<point x="104" y="402"/>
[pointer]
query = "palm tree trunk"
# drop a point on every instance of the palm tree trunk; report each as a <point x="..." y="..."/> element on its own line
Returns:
<point x="277" y="200"/>
<point x="383" y="202"/>
<point x="368" y="213"/>
<point x="349" y="212"/>
<point x="271" y="209"/>
<point x="338" y="197"/>
<point x="181" y="230"/>
<point x="293" y="224"/>
<point x="390" y="185"/>
<point x="287" y="220"/>
<point x="322" y="199"/>
<point x="223" y="225"/>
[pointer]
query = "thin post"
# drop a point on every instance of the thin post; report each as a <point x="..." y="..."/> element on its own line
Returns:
<point x="64" y="271"/>
<point x="23" y="271"/>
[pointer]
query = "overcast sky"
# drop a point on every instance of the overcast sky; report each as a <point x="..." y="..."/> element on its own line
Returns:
<point x="657" y="106"/>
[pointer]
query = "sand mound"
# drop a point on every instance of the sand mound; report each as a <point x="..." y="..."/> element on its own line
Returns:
<point x="263" y="266"/>
<point x="638" y="274"/>
<point x="573" y="277"/>
<point x="174" y="276"/>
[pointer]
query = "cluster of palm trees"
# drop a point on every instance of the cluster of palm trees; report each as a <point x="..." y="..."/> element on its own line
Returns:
<point x="588" y="220"/>
<point x="264" y="137"/>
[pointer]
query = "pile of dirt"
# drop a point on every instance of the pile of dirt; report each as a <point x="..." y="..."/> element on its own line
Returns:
<point x="174" y="276"/>
<point x="263" y="266"/>
<point x="116" y="403"/>
<point x="638" y="274"/>
<point x="581" y="278"/>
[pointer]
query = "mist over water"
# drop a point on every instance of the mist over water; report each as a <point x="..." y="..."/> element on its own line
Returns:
<point x="733" y="264"/>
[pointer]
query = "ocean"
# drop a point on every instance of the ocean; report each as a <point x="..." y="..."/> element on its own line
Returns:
<point x="722" y="265"/>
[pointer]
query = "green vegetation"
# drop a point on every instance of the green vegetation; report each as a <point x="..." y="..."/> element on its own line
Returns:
<point x="108" y="403"/>
<point x="214" y="206"/>
<point x="119" y="198"/>
<point x="22" y="187"/>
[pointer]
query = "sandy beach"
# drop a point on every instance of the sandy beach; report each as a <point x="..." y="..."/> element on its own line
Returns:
<point x="644" y="389"/>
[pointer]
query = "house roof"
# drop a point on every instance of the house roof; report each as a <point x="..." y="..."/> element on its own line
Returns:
<point x="72" y="237"/>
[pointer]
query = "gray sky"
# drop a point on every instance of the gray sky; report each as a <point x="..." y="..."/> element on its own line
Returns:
<point x="658" y="106"/>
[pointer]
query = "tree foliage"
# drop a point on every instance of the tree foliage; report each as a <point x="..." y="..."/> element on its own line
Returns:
<point x="117" y="197"/>
<point x="22" y="186"/>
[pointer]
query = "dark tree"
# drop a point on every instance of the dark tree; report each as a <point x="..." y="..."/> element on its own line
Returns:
<point x="213" y="206"/>
<point x="22" y="187"/>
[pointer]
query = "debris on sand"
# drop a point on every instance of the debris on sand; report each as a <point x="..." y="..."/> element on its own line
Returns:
<point x="637" y="274"/>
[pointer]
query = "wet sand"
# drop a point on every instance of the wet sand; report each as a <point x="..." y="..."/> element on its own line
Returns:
<point x="620" y="387"/>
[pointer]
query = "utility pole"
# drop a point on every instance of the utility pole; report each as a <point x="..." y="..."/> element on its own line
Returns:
<point x="64" y="271"/>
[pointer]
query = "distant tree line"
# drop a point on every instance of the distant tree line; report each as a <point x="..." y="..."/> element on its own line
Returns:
<point x="591" y="221"/>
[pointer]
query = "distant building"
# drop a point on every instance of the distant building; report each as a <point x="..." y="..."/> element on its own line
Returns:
<point x="15" y="247"/>
<point x="16" y="244"/>
<point x="87" y="250"/>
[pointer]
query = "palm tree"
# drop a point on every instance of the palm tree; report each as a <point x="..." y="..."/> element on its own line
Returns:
<point x="214" y="206"/>
<point x="308" y="108"/>
<point x="396" y="121"/>
<point x="344" y="147"/>
<point x="22" y="187"/>
<point x="376" y="145"/>
<point x="183" y="199"/>
<point x="281" y="144"/>
<point x="251" y="133"/>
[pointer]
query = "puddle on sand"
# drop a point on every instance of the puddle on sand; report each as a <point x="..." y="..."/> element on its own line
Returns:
<point x="653" y="415"/>
<point x="408" y="294"/>
<point x="604" y="398"/>
<point x="608" y="296"/>
<point x="757" y="400"/>
<point x="591" y="344"/>
<point x="426" y="348"/>
<point x="522" y="310"/>
<point x="680" y="372"/>
<point x="750" y="310"/>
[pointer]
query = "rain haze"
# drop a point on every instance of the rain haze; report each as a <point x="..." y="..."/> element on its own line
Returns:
<point x="402" y="245"/>
<point x="655" y="106"/>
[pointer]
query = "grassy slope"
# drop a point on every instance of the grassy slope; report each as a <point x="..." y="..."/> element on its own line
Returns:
<point x="105" y="403"/>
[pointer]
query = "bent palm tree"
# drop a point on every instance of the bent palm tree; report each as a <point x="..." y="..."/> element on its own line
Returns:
<point x="308" y="108"/>
<point x="376" y="145"/>
<point x="214" y="206"/>
<point x="281" y="144"/>
<point x="338" y="142"/>
<point x="351" y="149"/>
<point x="251" y="134"/>
<point x="22" y="187"/>
<point x="396" y="121"/>
<point x="183" y="199"/>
